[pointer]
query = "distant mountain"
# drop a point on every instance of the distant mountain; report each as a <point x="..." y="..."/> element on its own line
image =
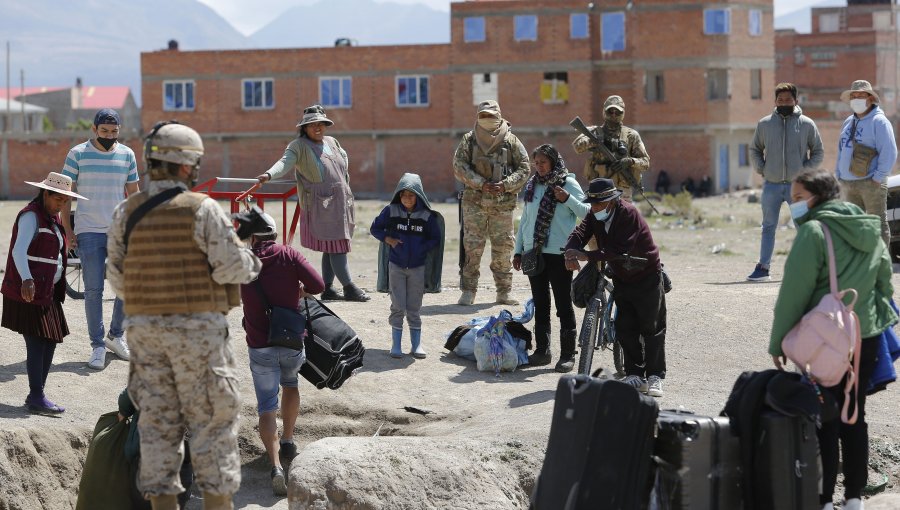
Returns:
<point x="366" y="21"/>
<point x="801" y="19"/>
<point x="101" y="41"/>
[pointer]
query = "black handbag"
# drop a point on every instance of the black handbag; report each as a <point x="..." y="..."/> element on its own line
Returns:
<point x="287" y="326"/>
<point x="533" y="261"/>
<point x="584" y="285"/>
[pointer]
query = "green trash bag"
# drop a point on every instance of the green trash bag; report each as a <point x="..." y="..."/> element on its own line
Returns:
<point x="105" y="482"/>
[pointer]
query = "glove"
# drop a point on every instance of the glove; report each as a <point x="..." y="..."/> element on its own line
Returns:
<point x="622" y="165"/>
<point x="582" y="144"/>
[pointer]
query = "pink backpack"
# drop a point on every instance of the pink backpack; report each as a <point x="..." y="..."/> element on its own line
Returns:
<point x="827" y="338"/>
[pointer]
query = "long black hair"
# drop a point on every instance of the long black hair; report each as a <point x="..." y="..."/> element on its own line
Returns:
<point x="39" y="199"/>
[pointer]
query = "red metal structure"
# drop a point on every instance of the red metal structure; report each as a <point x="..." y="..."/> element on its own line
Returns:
<point x="236" y="198"/>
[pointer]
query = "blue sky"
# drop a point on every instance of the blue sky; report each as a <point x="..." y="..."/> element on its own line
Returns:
<point x="248" y="17"/>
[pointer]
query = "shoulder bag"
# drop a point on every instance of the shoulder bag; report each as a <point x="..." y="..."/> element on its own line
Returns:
<point x="862" y="155"/>
<point x="533" y="261"/>
<point x="287" y="326"/>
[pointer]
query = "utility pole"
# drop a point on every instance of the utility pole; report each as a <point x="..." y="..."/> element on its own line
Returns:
<point x="6" y="126"/>
<point x="22" y="100"/>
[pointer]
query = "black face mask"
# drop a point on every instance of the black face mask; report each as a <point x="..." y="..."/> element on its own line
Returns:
<point x="784" y="111"/>
<point x="106" y="143"/>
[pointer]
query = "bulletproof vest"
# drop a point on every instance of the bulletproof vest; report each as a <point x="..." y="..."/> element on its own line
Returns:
<point x="165" y="271"/>
<point x="495" y="166"/>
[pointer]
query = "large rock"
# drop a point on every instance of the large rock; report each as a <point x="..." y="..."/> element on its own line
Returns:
<point x="883" y="502"/>
<point x="372" y="473"/>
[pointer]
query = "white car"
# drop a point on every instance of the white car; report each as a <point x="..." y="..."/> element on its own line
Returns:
<point x="893" y="215"/>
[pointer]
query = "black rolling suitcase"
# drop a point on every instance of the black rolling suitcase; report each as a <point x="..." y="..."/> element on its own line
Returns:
<point x="333" y="350"/>
<point x="787" y="463"/>
<point x="600" y="447"/>
<point x="698" y="463"/>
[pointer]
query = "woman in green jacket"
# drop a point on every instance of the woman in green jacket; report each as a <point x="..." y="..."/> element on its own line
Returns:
<point x="862" y="263"/>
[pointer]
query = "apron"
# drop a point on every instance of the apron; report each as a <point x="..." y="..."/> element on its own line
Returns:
<point x="330" y="206"/>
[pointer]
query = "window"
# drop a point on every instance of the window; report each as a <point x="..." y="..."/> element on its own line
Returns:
<point x="258" y="93"/>
<point x="654" y="87"/>
<point x="335" y="91"/>
<point x="526" y="27"/>
<point x="412" y="91"/>
<point x="178" y="96"/>
<point x="473" y="29"/>
<point x="578" y="26"/>
<point x="755" y="22"/>
<point x="717" y="84"/>
<point x="612" y="31"/>
<point x="830" y="22"/>
<point x="555" y="88"/>
<point x="756" y="84"/>
<point x="716" y="21"/>
<point x="743" y="154"/>
<point x="484" y="87"/>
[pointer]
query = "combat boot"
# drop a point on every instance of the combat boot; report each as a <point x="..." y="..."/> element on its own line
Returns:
<point x="164" y="502"/>
<point x="504" y="299"/>
<point x="541" y="354"/>
<point x="567" y="351"/>
<point x="467" y="298"/>
<point x="217" y="501"/>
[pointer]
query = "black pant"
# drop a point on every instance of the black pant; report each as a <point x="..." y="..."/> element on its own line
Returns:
<point x="556" y="276"/>
<point x="641" y="312"/>
<point x="853" y="440"/>
<point x="39" y="356"/>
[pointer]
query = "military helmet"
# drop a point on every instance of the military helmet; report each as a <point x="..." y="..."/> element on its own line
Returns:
<point x="173" y="142"/>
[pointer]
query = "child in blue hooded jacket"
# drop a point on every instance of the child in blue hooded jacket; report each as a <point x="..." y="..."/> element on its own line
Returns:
<point x="413" y="232"/>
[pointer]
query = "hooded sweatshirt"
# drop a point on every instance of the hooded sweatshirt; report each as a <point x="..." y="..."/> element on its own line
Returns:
<point x="785" y="146"/>
<point x="418" y="230"/>
<point x="861" y="260"/>
<point x="874" y="130"/>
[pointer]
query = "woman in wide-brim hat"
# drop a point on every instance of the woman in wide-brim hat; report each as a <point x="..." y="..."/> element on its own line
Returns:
<point x="33" y="286"/>
<point x="327" y="220"/>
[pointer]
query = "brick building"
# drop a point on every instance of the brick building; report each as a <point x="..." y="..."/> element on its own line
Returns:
<point x="695" y="76"/>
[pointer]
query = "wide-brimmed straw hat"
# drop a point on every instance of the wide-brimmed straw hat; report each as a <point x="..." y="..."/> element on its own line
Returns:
<point x="860" y="86"/>
<point x="59" y="183"/>
<point x="601" y="190"/>
<point x="314" y="113"/>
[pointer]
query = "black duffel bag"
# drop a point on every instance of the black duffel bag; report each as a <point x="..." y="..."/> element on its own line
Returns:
<point x="333" y="350"/>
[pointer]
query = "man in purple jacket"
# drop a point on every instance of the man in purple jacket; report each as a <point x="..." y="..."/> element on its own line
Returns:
<point x="286" y="276"/>
<point x="640" y="299"/>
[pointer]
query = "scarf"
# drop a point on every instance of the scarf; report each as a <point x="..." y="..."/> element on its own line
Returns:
<point x="489" y="140"/>
<point x="546" y="208"/>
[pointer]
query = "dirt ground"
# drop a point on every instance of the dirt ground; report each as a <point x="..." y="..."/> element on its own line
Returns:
<point x="718" y="326"/>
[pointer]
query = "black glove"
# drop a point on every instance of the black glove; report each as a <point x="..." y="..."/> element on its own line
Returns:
<point x="622" y="165"/>
<point x="249" y="222"/>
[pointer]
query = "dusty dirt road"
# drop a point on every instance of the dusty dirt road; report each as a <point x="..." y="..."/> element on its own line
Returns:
<point x="718" y="327"/>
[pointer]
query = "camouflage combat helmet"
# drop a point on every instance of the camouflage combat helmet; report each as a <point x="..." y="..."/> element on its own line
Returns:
<point x="173" y="142"/>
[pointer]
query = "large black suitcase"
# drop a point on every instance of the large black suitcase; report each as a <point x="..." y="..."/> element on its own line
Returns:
<point x="600" y="447"/>
<point x="333" y="350"/>
<point x="787" y="463"/>
<point x="698" y="463"/>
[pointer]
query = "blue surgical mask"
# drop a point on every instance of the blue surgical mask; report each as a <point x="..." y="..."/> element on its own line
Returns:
<point x="799" y="209"/>
<point x="602" y="215"/>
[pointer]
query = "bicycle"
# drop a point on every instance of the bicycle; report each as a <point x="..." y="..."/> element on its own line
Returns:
<point x="598" y="330"/>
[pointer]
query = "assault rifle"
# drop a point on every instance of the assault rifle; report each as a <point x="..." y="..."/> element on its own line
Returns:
<point x="462" y="232"/>
<point x="610" y="156"/>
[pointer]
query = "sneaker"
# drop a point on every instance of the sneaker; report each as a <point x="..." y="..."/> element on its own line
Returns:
<point x="279" y="481"/>
<point x="760" y="274"/>
<point x="654" y="386"/>
<point x="853" y="504"/>
<point x="637" y="382"/>
<point x="119" y="346"/>
<point x="467" y="298"/>
<point x="287" y="450"/>
<point x="98" y="359"/>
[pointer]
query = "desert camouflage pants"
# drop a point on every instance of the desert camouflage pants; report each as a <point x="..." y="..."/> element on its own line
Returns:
<point x="185" y="378"/>
<point x="483" y="221"/>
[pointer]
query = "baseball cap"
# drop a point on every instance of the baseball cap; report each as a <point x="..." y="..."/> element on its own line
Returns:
<point x="107" y="116"/>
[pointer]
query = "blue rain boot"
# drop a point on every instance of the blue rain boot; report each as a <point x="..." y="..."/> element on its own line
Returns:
<point x="396" y="350"/>
<point x="416" y="336"/>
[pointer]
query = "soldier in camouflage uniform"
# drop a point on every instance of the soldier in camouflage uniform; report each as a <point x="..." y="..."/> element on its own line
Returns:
<point x="493" y="166"/>
<point x="177" y="272"/>
<point x="632" y="155"/>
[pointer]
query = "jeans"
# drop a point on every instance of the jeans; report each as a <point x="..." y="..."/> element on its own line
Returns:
<point x="92" y="252"/>
<point x="271" y="367"/>
<point x="773" y="195"/>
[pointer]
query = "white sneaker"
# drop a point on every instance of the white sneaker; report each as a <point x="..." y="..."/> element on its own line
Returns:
<point x="98" y="359"/>
<point x="637" y="382"/>
<point x="828" y="506"/>
<point x="119" y="346"/>
<point x="654" y="386"/>
<point x="853" y="504"/>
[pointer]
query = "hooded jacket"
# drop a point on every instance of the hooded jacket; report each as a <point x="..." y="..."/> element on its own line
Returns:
<point x="422" y="233"/>
<point x="874" y="130"/>
<point x="785" y="146"/>
<point x="862" y="263"/>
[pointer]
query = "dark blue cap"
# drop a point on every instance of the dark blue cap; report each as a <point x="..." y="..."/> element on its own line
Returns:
<point x="107" y="116"/>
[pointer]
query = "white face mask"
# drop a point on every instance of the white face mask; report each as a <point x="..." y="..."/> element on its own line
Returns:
<point x="489" y="123"/>
<point x="859" y="105"/>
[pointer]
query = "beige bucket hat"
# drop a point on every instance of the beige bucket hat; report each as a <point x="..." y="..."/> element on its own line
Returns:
<point x="59" y="183"/>
<point x="860" y="86"/>
<point x="314" y="113"/>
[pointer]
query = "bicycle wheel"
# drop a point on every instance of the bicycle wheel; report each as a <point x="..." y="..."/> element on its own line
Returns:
<point x="587" y="338"/>
<point x="74" y="282"/>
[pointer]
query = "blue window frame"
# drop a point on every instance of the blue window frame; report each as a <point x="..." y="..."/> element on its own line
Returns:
<point x="526" y="27"/>
<point x="336" y="91"/>
<point x="612" y="31"/>
<point x="258" y="93"/>
<point x="754" y="26"/>
<point x="473" y="29"/>
<point x="178" y="95"/>
<point x="412" y="91"/>
<point x="579" y="25"/>
<point x="716" y="21"/>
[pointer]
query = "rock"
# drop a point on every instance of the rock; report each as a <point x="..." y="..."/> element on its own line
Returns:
<point x="373" y="473"/>
<point x="752" y="198"/>
<point x="883" y="502"/>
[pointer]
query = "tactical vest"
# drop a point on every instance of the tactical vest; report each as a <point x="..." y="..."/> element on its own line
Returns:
<point x="165" y="271"/>
<point x="484" y="163"/>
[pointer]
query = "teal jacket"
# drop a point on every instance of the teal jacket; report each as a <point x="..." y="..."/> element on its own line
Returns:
<point x="564" y="218"/>
<point x="862" y="263"/>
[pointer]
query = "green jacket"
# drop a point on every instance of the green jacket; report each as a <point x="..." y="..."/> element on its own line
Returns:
<point x="862" y="263"/>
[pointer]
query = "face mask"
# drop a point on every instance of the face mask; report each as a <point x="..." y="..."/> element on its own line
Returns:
<point x="859" y="105"/>
<point x="106" y="143"/>
<point x="489" y="123"/>
<point x="613" y="120"/>
<point x="784" y="111"/>
<point x="799" y="209"/>
<point x="602" y="215"/>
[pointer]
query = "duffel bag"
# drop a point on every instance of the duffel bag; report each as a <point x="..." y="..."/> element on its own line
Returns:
<point x="333" y="350"/>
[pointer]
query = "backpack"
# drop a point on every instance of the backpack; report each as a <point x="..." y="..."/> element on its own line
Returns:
<point x="828" y="337"/>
